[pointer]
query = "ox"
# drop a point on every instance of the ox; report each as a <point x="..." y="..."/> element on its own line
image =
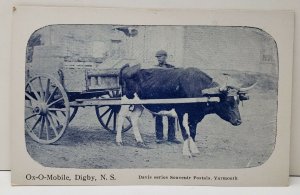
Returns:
<point x="157" y="83"/>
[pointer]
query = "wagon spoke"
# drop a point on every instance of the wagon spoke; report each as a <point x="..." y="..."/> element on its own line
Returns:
<point x="30" y="117"/>
<point x="115" y="120"/>
<point x="58" y="109"/>
<point x="47" y="128"/>
<point x="63" y="113"/>
<point x="36" y="122"/>
<point x="51" y="95"/>
<point x="34" y="91"/>
<point x="54" y="116"/>
<point x="47" y="90"/>
<point x="55" y="131"/>
<point x="42" y="126"/>
<point x="30" y="97"/>
<point x="58" y="100"/>
<point x="109" y="117"/>
<point x="42" y="91"/>
<point x="105" y="112"/>
<point x="28" y="106"/>
<point x="52" y="125"/>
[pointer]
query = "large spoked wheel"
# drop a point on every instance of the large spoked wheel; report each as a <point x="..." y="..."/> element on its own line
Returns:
<point x="47" y="109"/>
<point x="107" y="115"/>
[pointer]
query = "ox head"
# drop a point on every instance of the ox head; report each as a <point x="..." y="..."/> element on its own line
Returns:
<point x="230" y="97"/>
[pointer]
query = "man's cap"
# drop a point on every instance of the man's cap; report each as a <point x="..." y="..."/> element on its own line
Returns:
<point x="161" y="53"/>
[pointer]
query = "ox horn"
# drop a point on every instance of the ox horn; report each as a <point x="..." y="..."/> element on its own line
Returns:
<point x="245" y="89"/>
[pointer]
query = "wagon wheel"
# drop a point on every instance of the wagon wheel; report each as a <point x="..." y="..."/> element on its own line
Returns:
<point x="47" y="109"/>
<point x="107" y="115"/>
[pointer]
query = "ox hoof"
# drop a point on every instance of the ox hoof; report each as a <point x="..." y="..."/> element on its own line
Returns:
<point x="119" y="143"/>
<point x="193" y="147"/>
<point x="141" y="145"/>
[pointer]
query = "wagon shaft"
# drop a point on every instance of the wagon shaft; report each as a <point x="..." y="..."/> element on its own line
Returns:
<point x="111" y="101"/>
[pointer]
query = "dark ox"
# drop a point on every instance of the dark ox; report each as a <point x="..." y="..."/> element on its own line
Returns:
<point x="158" y="83"/>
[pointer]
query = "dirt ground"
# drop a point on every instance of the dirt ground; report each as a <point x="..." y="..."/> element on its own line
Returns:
<point x="86" y="144"/>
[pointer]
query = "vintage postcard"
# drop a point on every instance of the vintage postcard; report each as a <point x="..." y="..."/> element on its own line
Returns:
<point x="106" y="96"/>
